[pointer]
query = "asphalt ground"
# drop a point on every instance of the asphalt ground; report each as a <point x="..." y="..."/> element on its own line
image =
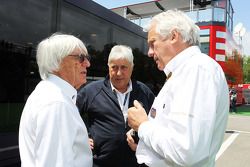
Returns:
<point x="235" y="150"/>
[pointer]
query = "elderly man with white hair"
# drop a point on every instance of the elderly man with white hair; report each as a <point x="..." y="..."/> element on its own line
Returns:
<point x="105" y="103"/>
<point x="52" y="133"/>
<point x="187" y="121"/>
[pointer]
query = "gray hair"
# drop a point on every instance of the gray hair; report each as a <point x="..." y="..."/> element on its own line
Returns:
<point x="171" y="20"/>
<point x="121" y="52"/>
<point x="53" y="49"/>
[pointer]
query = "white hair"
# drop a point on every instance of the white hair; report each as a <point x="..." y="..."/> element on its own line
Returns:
<point x="121" y="52"/>
<point x="53" y="49"/>
<point x="175" y="20"/>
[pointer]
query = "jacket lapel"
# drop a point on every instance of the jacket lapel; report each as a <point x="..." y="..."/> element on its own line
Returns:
<point x="108" y="90"/>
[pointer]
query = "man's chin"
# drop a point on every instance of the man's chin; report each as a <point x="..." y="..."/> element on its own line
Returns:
<point x="78" y="85"/>
<point x="160" y="67"/>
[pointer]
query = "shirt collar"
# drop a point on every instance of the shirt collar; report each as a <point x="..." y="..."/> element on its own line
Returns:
<point x="129" y="89"/>
<point x="181" y="58"/>
<point x="65" y="87"/>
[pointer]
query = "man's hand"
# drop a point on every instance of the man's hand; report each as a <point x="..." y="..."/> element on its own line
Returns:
<point x="136" y="115"/>
<point x="91" y="143"/>
<point x="130" y="140"/>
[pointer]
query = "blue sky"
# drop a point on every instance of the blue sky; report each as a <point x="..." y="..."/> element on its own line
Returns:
<point x="241" y="15"/>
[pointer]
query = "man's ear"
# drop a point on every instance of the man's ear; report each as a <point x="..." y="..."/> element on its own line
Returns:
<point x="174" y="36"/>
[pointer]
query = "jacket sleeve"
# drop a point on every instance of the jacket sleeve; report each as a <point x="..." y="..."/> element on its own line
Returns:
<point x="82" y="104"/>
<point x="81" y="100"/>
<point x="149" y="96"/>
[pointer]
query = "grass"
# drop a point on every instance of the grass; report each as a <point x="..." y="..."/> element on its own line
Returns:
<point x="243" y="110"/>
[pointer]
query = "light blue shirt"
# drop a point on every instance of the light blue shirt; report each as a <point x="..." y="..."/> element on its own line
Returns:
<point x="123" y="99"/>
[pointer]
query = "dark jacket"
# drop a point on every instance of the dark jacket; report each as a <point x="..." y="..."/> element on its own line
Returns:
<point x="105" y="122"/>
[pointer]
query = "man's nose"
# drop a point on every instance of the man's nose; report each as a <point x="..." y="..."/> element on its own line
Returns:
<point x="86" y="63"/>
<point x="119" y="71"/>
<point x="150" y="52"/>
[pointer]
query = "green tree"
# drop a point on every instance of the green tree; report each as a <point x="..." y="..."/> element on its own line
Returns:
<point x="246" y="68"/>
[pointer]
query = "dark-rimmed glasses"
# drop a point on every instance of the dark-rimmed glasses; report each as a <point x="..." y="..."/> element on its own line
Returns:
<point x="81" y="57"/>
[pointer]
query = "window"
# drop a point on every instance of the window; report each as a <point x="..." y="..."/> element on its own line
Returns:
<point x="220" y="34"/>
<point x="219" y="14"/>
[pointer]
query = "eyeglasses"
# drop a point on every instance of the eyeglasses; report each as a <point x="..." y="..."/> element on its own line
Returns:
<point x="82" y="57"/>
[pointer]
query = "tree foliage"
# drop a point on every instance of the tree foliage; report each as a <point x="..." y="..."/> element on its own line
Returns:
<point x="233" y="68"/>
<point x="246" y="69"/>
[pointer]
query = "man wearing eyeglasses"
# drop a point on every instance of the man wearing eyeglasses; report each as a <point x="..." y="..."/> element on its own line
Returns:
<point x="104" y="104"/>
<point x="52" y="132"/>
